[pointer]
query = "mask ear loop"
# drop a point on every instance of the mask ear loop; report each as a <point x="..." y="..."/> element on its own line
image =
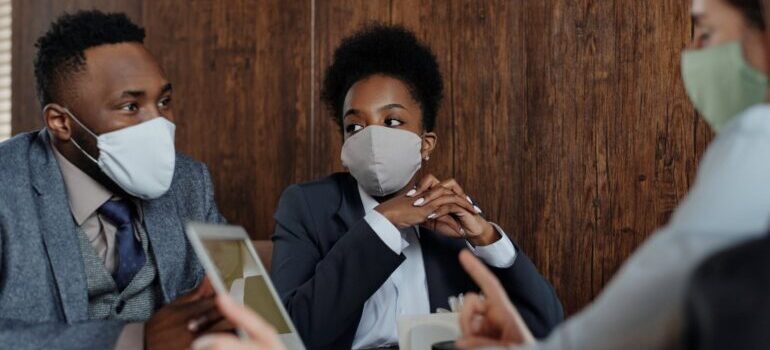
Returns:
<point x="82" y="126"/>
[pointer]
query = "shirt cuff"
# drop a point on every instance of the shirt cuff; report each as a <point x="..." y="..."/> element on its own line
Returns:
<point x="385" y="229"/>
<point x="131" y="338"/>
<point x="500" y="254"/>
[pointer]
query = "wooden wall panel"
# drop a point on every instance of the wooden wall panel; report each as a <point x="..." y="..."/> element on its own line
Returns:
<point x="282" y="142"/>
<point x="209" y="53"/>
<point x="557" y="157"/>
<point x="565" y="119"/>
<point x="646" y="170"/>
<point x="334" y="20"/>
<point x="427" y="18"/>
<point x="242" y="72"/>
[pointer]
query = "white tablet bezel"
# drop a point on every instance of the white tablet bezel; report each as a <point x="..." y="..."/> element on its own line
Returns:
<point x="197" y="232"/>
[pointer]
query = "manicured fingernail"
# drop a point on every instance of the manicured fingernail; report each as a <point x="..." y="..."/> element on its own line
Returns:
<point x="411" y="193"/>
<point x="432" y="216"/>
<point x="469" y="199"/>
<point x="477" y="209"/>
<point x="419" y="202"/>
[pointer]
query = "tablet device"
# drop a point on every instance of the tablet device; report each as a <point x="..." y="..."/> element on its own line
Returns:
<point x="232" y="265"/>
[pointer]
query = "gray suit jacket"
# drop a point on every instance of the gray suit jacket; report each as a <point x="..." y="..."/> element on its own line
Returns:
<point x="43" y="291"/>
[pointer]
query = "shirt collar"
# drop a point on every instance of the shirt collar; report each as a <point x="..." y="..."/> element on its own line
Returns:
<point x="85" y="194"/>
<point x="370" y="203"/>
<point x="367" y="200"/>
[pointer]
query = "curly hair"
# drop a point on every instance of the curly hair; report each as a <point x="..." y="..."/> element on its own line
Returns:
<point x="60" y="50"/>
<point x="388" y="50"/>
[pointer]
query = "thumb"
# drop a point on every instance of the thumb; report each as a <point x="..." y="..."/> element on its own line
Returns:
<point x="260" y="332"/>
<point x="216" y="341"/>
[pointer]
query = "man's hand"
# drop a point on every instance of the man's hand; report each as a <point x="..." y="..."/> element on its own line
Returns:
<point x="177" y="324"/>
<point x="261" y="334"/>
<point x="491" y="320"/>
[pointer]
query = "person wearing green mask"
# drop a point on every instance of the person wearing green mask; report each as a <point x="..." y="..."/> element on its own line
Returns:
<point x="643" y="307"/>
<point x="724" y="70"/>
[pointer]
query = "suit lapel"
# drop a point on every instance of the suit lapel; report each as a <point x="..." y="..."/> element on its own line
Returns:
<point x="351" y="209"/>
<point x="168" y="247"/>
<point x="445" y="276"/>
<point x="58" y="230"/>
<point x="435" y="272"/>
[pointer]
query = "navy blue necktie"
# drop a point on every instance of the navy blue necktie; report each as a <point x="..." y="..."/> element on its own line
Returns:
<point x="131" y="256"/>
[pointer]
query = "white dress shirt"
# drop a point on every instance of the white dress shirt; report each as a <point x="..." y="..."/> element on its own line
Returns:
<point x="729" y="203"/>
<point x="405" y="292"/>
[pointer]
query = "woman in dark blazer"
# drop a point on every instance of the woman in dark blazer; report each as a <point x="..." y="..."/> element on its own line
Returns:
<point x="356" y="250"/>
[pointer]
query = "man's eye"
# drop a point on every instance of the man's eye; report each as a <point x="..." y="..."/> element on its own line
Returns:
<point x="391" y="122"/>
<point x="130" y="107"/>
<point x="353" y="128"/>
<point x="165" y="102"/>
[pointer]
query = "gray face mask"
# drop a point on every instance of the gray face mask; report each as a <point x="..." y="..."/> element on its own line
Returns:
<point x="383" y="160"/>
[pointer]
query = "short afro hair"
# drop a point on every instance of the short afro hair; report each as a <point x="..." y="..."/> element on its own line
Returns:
<point x="388" y="50"/>
<point x="60" y="51"/>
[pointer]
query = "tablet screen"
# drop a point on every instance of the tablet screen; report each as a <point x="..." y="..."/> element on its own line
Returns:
<point x="244" y="279"/>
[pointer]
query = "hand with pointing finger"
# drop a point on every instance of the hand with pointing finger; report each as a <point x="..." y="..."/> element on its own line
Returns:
<point x="491" y="320"/>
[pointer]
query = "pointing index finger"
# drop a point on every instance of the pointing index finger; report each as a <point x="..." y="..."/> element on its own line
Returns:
<point x="481" y="274"/>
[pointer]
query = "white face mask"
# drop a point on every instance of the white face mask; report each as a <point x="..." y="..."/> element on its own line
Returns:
<point x="140" y="158"/>
<point x="383" y="160"/>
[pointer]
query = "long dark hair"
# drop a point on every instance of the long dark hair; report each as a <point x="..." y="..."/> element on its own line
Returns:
<point x="751" y="9"/>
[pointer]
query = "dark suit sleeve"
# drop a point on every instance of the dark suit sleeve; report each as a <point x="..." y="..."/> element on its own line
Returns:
<point x="325" y="294"/>
<point x="99" y="334"/>
<point x="533" y="296"/>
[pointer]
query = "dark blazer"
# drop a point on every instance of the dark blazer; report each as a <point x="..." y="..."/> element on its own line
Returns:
<point x="327" y="261"/>
<point x="727" y="304"/>
<point x="43" y="290"/>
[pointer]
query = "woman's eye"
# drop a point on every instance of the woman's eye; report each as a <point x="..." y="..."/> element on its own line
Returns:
<point x="130" y="107"/>
<point x="353" y="128"/>
<point x="393" y="122"/>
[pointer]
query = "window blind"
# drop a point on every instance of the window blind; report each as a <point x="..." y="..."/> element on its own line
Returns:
<point x="5" y="69"/>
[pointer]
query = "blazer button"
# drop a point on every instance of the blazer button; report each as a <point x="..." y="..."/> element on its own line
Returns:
<point x="120" y="306"/>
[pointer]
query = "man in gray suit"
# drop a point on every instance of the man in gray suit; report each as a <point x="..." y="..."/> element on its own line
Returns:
<point x="92" y="207"/>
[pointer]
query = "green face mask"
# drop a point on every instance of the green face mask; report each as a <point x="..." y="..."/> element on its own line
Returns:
<point x="721" y="84"/>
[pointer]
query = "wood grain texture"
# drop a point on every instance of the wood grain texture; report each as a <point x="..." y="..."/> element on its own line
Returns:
<point x="242" y="68"/>
<point x="426" y="18"/>
<point x="565" y="119"/>
<point x="335" y="20"/>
